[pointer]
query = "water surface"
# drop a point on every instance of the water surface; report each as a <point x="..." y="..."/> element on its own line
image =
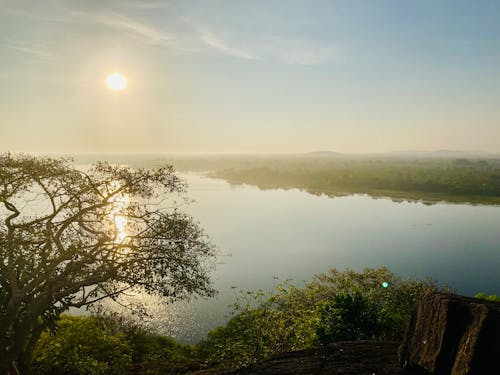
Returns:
<point x="293" y="234"/>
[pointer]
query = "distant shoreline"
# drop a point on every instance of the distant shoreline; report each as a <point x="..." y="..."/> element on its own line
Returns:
<point x="395" y="196"/>
<point x="428" y="181"/>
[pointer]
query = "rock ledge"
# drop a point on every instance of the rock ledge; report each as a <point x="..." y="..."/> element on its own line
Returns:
<point x="453" y="335"/>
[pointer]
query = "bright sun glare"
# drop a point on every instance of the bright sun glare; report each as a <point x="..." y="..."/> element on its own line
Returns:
<point x="116" y="82"/>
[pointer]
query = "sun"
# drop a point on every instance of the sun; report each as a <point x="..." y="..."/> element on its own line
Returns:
<point x="116" y="82"/>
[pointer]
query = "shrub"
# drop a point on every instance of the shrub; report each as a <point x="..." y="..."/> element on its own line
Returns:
<point x="95" y="345"/>
<point x="334" y="306"/>
<point x="491" y="297"/>
<point x="82" y="345"/>
<point x="346" y="317"/>
<point x="261" y="327"/>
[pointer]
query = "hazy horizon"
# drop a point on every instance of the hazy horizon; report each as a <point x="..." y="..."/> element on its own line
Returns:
<point x="333" y="153"/>
<point x="261" y="77"/>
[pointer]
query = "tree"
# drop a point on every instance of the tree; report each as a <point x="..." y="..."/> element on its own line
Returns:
<point x="70" y="238"/>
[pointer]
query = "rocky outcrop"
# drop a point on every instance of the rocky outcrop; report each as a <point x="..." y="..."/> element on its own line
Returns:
<point x="346" y="358"/>
<point x="453" y="335"/>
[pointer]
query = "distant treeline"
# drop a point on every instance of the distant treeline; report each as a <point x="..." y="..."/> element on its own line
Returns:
<point x="463" y="180"/>
<point x="427" y="179"/>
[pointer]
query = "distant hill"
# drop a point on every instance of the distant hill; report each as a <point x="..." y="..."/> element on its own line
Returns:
<point x="323" y="153"/>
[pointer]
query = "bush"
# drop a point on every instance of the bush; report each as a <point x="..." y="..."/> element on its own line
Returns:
<point x="82" y="345"/>
<point x="152" y="348"/>
<point x="261" y="328"/>
<point x="95" y="345"/>
<point x="348" y="317"/>
<point x="391" y="295"/>
<point x="334" y="306"/>
<point x="491" y="297"/>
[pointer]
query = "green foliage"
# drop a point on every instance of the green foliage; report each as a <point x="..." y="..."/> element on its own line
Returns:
<point x="263" y="325"/>
<point x="82" y="345"/>
<point x="394" y="302"/>
<point x="152" y="348"/>
<point x="97" y="345"/>
<point x="491" y="297"/>
<point x="347" y="317"/>
<point x="334" y="306"/>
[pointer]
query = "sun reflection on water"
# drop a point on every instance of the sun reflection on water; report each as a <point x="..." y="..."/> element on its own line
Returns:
<point x="118" y="216"/>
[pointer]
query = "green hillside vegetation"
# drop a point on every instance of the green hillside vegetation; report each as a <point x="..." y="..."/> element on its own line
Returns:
<point x="95" y="345"/>
<point x="334" y="306"/>
<point x="374" y="304"/>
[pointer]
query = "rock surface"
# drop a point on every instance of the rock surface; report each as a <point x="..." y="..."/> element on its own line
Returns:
<point x="345" y="358"/>
<point x="453" y="335"/>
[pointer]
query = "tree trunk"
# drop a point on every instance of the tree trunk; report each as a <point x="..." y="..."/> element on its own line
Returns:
<point x="13" y="369"/>
<point x="24" y="360"/>
<point x="7" y="366"/>
<point x="20" y="342"/>
<point x="24" y="365"/>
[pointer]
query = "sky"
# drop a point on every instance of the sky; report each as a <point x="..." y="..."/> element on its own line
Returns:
<point x="262" y="76"/>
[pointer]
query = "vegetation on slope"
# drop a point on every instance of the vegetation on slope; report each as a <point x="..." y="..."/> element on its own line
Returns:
<point x="374" y="304"/>
<point x="94" y="345"/>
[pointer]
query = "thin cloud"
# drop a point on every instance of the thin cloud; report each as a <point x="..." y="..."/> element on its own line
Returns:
<point x="38" y="52"/>
<point x="298" y="51"/>
<point x="134" y="28"/>
<point x="220" y="45"/>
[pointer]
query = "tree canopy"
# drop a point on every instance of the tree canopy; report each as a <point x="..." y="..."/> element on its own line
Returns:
<point x="70" y="237"/>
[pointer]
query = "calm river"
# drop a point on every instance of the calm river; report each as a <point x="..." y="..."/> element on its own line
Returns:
<point x="292" y="234"/>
